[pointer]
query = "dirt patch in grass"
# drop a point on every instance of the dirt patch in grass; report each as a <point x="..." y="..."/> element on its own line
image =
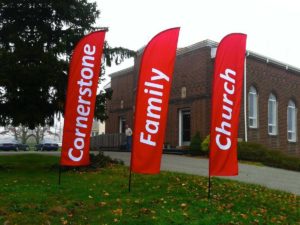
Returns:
<point x="57" y="210"/>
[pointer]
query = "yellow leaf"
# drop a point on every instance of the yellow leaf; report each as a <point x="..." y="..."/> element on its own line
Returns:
<point x="102" y="204"/>
<point x="183" y="205"/>
<point x="145" y="210"/>
<point x="118" y="212"/>
<point x="244" y="216"/>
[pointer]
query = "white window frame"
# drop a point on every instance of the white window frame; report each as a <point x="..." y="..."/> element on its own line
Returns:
<point x="292" y="127"/>
<point x="122" y="121"/>
<point x="253" y="118"/>
<point x="272" y="115"/>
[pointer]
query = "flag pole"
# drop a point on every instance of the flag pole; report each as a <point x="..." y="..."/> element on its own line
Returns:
<point x="130" y="171"/>
<point x="130" y="175"/>
<point x="209" y="187"/>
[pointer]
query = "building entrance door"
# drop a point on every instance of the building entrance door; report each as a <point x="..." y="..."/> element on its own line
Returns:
<point x="184" y="127"/>
<point x="122" y="124"/>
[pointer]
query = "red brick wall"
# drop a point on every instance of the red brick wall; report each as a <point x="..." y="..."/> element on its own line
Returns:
<point x="285" y="85"/>
<point x="194" y="70"/>
<point x="122" y="87"/>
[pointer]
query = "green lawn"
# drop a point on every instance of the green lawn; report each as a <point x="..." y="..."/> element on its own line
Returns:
<point x="30" y="194"/>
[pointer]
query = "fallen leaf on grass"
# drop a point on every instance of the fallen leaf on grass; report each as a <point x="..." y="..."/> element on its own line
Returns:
<point x="63" y="221"/>
<point x="145" y="211"/>
<point x="282" y="218"/>
<point x="3" y="212"/>
<point x="229" y="206"/>
<point x="273" y="220"/>
<point x="118" y="212"/>
<point x="185" y="214"/>
<point x="263" y="210"/>
<point x="256" y="221"/>
<point x="183" y="205"/>
<point x="102" y="204"/>
<point x="244" y="216"/>
<point x="57" y="210"/>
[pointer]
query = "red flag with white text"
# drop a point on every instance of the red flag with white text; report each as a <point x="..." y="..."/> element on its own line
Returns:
<point x="80" y="101"/>
<point x="152" y="101"/>
<point x="226" y="101"/>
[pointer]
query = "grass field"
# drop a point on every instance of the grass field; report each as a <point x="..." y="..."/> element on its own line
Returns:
<point x="30" y="194"/>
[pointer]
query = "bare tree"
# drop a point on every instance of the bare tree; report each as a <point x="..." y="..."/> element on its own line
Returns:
<point x="22" y="133"/>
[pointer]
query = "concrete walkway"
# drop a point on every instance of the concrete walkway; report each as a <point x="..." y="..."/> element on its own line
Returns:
<point x="273" y="178"/>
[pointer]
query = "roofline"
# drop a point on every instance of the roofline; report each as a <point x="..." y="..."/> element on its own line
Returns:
<point x="214" y="44"/>
<point x="198" y="45"/>
<point x="121" y="72"/>
<point x="106" y="86"/>
<point x="272" y="61"/>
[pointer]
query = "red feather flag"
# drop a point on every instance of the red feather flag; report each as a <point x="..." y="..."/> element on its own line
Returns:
<point x="152" y="101"/>
<point x="226" y="101"/>
<point x="81" y="96"/>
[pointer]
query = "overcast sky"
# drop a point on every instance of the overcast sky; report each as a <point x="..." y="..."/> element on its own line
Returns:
<point x="272" y="26"/>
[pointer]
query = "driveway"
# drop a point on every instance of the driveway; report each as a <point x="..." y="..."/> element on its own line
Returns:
<point x="273" y="178"/>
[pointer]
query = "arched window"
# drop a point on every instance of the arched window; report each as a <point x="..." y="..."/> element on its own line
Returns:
<point x="183" y="92"/>
<point x="252" y="108"/>
<point x="272" y="115"/>
<point x="291" y="121"/>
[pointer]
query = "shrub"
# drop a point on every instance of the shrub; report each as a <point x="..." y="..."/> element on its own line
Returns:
<point x="259" y="153"/>
<point x="205" y="145"/>
<point x="96" y="162"/>
<point x="101" y="161"/>
<point x="195" y="146"/>
<point x="251" y="151"/>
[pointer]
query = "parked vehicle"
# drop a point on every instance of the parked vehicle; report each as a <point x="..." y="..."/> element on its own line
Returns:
<point x="38" y="147"/>
<point x="9" y="146"/>
<point x="23" y="147"/>
<point x="47" y="147"/>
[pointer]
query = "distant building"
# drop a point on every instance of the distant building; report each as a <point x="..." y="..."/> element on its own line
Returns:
<point x="272" y="99"/>
<point x="98" y="128"/>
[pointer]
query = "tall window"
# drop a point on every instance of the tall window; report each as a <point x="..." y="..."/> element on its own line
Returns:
<point x="252" y="107"/>
<point x="272" y="115"/>
<point x="291" y="121"/>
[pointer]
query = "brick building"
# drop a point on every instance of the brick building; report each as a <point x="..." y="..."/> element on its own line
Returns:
<point x="272" y="98"/>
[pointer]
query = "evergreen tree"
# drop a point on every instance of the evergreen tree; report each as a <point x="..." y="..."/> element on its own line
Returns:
<point x="36" y="41"/>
